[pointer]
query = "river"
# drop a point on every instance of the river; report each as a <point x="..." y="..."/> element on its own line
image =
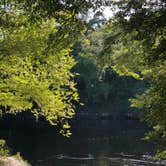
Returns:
<point x="93" y="143"/>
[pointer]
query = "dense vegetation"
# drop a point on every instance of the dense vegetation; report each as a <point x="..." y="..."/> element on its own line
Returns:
<point x="100" y="89"/>
<point x="35" y="59"/>
<point x="44" y="43"/>
<point x="137" y="48"/>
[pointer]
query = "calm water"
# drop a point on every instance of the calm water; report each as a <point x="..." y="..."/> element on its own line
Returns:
<point x="93" y="143"/>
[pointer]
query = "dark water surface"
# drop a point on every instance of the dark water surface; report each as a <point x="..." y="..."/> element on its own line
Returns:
<point x="93" y="143"/>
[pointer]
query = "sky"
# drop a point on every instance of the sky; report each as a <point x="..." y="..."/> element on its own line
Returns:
<point x="108" y="12"/>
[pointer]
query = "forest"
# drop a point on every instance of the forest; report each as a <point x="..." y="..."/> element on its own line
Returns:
<point x="61" y="59"/>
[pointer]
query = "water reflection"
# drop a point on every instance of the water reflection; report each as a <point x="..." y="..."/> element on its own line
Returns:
<point x="103" y="161"/>
<point x="94" y="143"/>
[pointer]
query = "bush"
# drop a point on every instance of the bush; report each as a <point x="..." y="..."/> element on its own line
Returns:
<point x="4" y="150"/>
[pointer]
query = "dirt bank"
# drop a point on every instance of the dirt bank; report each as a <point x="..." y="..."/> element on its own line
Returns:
<point x="12" y="161"/>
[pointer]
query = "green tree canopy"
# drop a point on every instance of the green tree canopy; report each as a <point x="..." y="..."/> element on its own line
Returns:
<point x="136" y="47"/>
<point x="35" y="56"/>
<point x="35" y="75"/>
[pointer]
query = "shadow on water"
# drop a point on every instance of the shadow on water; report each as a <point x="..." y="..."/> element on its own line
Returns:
<point x="93" y="143"/>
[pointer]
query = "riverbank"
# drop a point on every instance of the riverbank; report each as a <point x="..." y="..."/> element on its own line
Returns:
<point x="12" y="161"/>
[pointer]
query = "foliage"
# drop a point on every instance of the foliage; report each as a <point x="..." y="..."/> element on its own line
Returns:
<point x="91" y="87"/>
<point x="4" y="151"/>
<point x="95" y="85"/>
<point x="137" y="48"/>
<point x="34" y="76"/>
<point x="66" y="13"/>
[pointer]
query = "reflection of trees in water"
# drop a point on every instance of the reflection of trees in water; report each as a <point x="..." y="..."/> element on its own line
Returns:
<point x="101" y="161"/>
<point x="99" y="138"/>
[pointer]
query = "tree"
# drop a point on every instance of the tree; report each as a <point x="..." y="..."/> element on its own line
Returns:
<point x="137" y="46"/>
<point x="99" y="89"/>
<point x="67" y="14"/>
<point x="34" y="76"/>
<point x="35" y="56"/>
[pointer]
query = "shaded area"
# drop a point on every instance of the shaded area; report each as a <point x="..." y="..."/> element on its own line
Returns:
<point x="97" y="140"/>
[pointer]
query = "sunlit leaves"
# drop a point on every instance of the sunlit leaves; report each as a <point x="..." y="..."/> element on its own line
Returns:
<point x="35" y="76"/>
